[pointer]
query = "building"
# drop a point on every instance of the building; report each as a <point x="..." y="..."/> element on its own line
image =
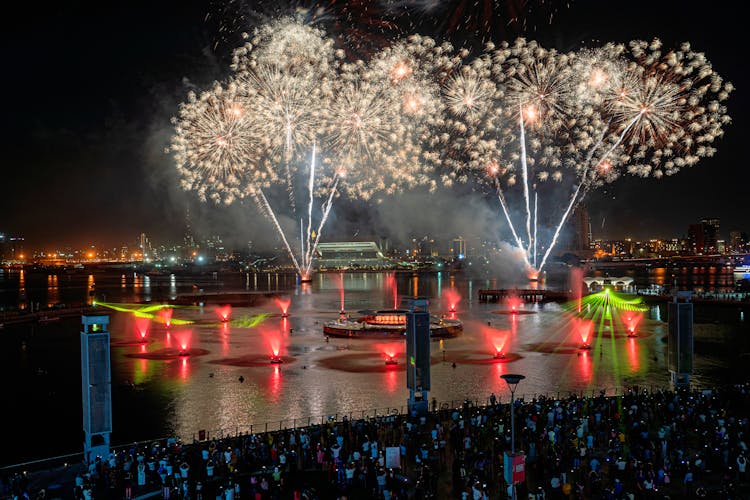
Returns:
<point x="737" y="241"/>
<point x="710" y="235"/>
<point x="458" y="248"/>
<point x="582" y="228"/>
<point x="696" y="239"/>
<point x="351" y="255"/>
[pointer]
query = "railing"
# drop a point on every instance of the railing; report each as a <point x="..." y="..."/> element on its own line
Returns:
<point x="69" y="460"/>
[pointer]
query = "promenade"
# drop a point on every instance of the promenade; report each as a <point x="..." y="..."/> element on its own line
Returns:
<point x="639" y="444"/>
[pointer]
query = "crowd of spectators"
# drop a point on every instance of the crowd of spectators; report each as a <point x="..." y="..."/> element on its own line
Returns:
<point x="639" y="444"/>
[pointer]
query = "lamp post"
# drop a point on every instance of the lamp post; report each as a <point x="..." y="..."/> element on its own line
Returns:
<point x="512" y="380"/>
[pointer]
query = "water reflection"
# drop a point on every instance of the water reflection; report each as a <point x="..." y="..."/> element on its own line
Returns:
<point x="22" y="290"/>
<point x="202" y="391"/>
<point x="53" y="290"/>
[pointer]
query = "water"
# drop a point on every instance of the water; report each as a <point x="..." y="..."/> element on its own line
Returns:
<point x="155" y="397"/>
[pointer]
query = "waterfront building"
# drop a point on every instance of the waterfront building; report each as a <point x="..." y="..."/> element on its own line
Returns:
<point x="352" y="255"/>
<point x="710" y="235"/>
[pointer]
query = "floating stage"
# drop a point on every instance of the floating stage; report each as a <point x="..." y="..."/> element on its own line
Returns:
<point x="387" y="323"/>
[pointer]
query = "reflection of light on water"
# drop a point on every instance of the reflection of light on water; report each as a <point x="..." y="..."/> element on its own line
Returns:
<point x="53" y="291"/>
<point x="172" y="287"/>
<point x="391" y="381"/>
<point x="655" y="313"/>
<point x="633" y="354"/>
<point x="584" y="366"/>
<point x="184" y="370"/>
<point x="275" y="383"/>
<point x="225" y="339"/>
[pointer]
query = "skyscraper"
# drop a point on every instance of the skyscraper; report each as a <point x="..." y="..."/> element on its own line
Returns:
<point x="582" y="222"/>
<point x="710" y="235"/>
<point x="696" y="239"/>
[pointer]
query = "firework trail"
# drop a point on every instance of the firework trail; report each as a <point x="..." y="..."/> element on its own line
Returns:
<point x="419" y="113"/>
<point x="586" y="116"/>
<point x="293" y="95"/>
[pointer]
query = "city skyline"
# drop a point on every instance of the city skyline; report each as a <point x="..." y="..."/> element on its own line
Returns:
<point x="87" y="161"/>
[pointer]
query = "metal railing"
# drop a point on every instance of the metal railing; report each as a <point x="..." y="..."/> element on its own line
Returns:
<point x="72" y="459"/>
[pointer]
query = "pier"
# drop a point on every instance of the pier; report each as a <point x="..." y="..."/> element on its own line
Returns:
<point x="526" y="295"/>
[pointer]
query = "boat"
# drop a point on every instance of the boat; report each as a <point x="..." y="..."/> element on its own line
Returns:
<point x="743" y="268"/>
<point x="387" y="323"/>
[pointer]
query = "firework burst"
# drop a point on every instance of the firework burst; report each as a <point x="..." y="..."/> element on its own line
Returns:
<point x="586" y="116"/>
<point x="298" y="115"/>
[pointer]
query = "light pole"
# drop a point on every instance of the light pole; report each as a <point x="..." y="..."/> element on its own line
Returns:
<point x="512" y="380"/>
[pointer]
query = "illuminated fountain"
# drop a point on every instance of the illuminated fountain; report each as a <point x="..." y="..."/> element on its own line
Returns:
<point x="631" y="320"/>
<point x="584" y="328"/>
<point x="183" y="340"/>
<point x="166" y="316"/>
<point x="141" y="326"/>
<point x="224" y="313"/>
<point x="391" y="352"/>
<point x="514" y="304"/>
<point x="283" y="304"/>
<point x="273" y="339"/>
<point x="498" y="340"/>
<point x="452" y="297"/>
<point x="342" y="309"/>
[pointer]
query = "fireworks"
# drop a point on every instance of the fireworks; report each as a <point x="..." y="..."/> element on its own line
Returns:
<point x="580" y="118"/>
<point x="297" y="115"/>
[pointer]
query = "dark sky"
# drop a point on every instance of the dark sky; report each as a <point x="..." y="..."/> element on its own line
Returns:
<point x="89" y="88"/>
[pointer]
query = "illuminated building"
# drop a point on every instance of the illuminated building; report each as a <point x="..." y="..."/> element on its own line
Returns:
<point x="458" y="248"/>
<point x="710" y="235"/>
<point x="582" y="228"/>
<point x="696" y="239"/>
<point x="737" y="241"/>
<point x="351" y="255"/>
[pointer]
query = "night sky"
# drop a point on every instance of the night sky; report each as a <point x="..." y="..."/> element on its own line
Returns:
<point x="90" y="87"/>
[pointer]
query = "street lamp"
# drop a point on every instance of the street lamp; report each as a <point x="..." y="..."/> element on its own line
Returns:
<point x="512" y="380"/>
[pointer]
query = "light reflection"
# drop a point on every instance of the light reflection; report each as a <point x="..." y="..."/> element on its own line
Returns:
<point x="90" y="286"/>
<point x="224" y="339"/>
<point x="633" y="354"/>
<point x="391" y="379"/>
<point x="274" y="384"/>
<point x="21" y="289"/>
<point x="584" y="366"/>
<point x="53" y="290"/>
<point x="184" y="369"/>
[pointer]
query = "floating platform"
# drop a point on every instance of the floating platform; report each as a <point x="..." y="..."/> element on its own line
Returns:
<point x="389" y="323"/>
<point x="524" y="295"/>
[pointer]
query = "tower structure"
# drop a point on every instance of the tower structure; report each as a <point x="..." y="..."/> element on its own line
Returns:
<point x="680" y="338"/>
<point x="96" y="387"/>
<point x="418" y="354"/>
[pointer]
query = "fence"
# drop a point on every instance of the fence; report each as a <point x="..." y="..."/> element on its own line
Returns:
<point x="73" y="459"/>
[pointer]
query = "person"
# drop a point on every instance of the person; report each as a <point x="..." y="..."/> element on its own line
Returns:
<point x="741" y="467"/>
<point x="493" y="399"/>
<point x="688" y="482"/>
<point x="141" y="474"/>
